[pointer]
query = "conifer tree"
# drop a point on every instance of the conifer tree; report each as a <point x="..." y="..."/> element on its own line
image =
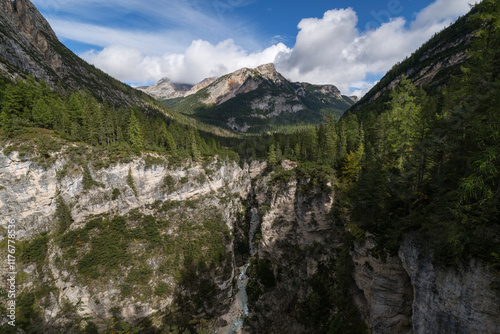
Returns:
<point x="271" y="156"/>
<point x="134" y="132"/>
<point x="42" y="114"/>
<point x="6" y="123"/>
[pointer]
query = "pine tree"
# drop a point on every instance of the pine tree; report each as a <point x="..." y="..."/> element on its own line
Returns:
<point x="6" y="123"/>
<point x="352" y="165"/>
<point x="134" y="133"/>
<point x="42" y="114"/>
<point x="271" y="156"/>
<point x="481" y="86"/>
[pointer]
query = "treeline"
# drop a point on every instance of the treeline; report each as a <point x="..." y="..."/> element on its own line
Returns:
<point x="78" y="116"/>
<point x="428" y="163"/>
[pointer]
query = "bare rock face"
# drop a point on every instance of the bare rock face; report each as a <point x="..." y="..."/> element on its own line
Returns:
<point x="199" y="86"/>
<point x="298" y="239"/>
<point x="409" y="294"/>
<point x="242" y="81"/>
<point x="450" y="300"/>
<point x="386" y="294"/>
<point x="25" y="36"/>
<point x="166" y="89"/>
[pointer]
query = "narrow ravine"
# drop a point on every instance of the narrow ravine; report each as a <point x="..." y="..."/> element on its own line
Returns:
<point x="240" y="307"/>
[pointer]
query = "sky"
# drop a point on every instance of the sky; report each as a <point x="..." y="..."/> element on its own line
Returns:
<point x="350" y="44"/>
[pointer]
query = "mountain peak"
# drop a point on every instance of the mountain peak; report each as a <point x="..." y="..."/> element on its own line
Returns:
<point x="242" y="81"/>
<point x="266" y="68"/>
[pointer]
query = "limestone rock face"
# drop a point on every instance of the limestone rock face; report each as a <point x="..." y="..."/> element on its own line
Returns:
<point x="450" y="300"/>
<point x="298" y="238"/>
<point x="408" y="294"/>
<point x="242" y="81"/>
<point x="385" y="292"/>
<point x="28" y="194"/>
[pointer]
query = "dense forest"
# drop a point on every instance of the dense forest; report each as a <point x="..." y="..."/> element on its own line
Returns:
<point x="78" y="116"/>
<point x="428" y="162"/>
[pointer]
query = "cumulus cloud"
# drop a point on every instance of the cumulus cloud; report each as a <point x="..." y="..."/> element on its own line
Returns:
<point x="330" y="50"/>
<point x="199" y="61"/>
<point x="333" y="50"/>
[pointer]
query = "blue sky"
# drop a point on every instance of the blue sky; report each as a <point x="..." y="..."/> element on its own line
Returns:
<point x="348" y="43"/>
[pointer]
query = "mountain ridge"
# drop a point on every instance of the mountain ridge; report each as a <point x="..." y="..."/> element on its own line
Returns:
<point x="431" y="66"/>
<point x="30" y="46"/>
<point x="261" y="99"/>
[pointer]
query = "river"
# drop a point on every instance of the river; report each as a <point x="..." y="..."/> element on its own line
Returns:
<point x="240" y="307"/>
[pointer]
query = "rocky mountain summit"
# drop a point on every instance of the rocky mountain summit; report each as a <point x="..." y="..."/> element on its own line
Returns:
<point x="258" y="99"/>
<point x="165" y="89"/>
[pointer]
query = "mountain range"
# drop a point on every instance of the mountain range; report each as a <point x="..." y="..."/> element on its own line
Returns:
<point x="249" y="203"/>
<point x="259" y="99"/>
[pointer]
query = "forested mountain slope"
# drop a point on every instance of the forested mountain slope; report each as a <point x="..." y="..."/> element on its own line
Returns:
<point x="431" y="66"/>
<point x="261" y="99"/>
<point x="30" y="46"/>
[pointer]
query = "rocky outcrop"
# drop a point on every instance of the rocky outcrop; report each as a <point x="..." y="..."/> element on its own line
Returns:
<point x="385" y="293"/>
<point x="296" y="248"/>
<point x="166" y="89"/>
<point x="272" y="106"/>
<point x="409" y="294"/>
<point x="450" y="300"/>
<point x="242" y="81"/>
<point x="30" y="193"/>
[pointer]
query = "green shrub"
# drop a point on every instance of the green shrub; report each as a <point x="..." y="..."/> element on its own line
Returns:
<point x="162" y="289"/>
<point x="63" y="215"/>
<point x="130" y="181"/>
<point x="88" y="182"/>
<point x="34" y="250"/>
<point x="139" y="276"/>
<point x="169" y="182"/>
<point x="115" y="194"/>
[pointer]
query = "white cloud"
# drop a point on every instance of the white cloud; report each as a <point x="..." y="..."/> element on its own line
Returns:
<point x="149" y="42"/>
<point x="442" y="10"/>
<point x="327" y="50"/>
<point x="200" y="60"/>
<point x="332" y="50"/>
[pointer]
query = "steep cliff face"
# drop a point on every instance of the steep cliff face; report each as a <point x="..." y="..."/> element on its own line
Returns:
<point x="290" y="275"/>
<point x="133" y="241"/>
<point x="450" y="300"/>
<point x="385" y="293"/>
<point x="22" y="28"/>
<point x="409" y="294"/>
